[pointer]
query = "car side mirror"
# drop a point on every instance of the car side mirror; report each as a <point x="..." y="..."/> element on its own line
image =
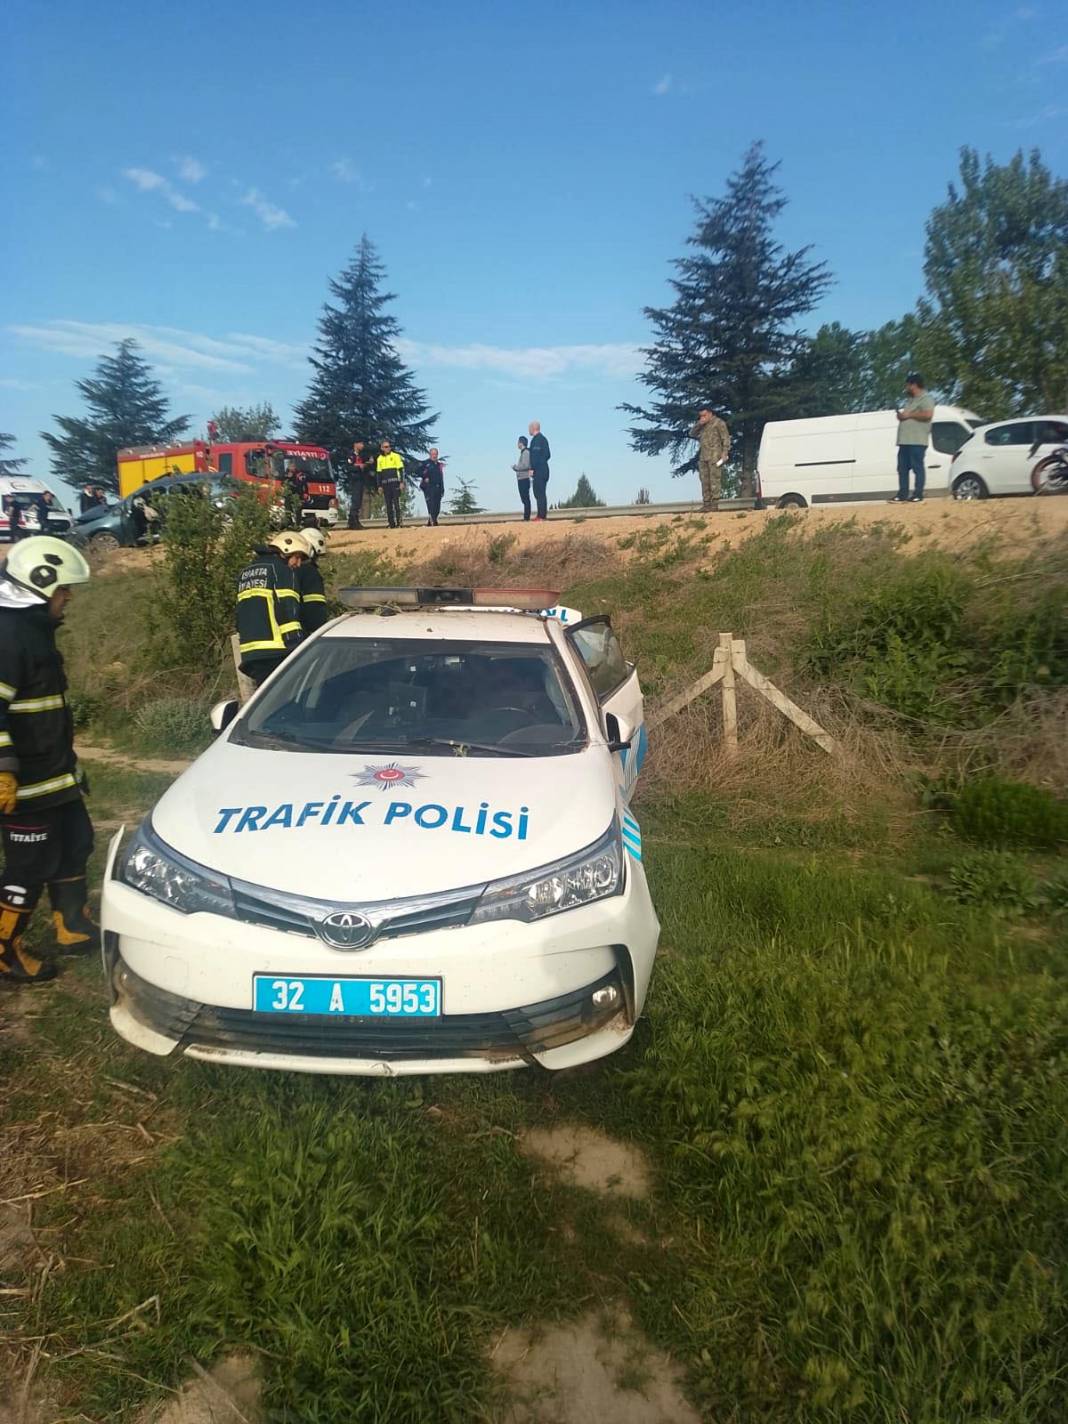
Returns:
<point x="618" y="731"/>
<point x="223" y="713"/>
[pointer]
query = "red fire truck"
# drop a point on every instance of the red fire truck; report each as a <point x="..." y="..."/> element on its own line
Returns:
<point x="266" y="463"/>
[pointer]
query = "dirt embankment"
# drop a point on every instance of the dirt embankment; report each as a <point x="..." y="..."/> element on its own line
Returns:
<point x="937" y="521"/>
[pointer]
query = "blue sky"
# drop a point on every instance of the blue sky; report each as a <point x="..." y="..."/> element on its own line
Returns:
<point x="193" y="174"/>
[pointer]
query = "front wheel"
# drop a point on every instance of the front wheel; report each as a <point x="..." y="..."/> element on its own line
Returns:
<point x="970" y="487"/>
<point x="1050" y="476"/>
<point x="103" y="543"/>
<point x="792" y="501"/>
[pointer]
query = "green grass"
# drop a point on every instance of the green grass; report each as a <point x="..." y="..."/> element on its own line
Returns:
<point x="852" y="1088"/>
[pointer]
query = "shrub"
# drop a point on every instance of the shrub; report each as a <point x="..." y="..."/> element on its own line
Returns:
<point x="997" y="879"/>
<point x="191" y="615"/>
<point x="178" y="724"/>
<point x="994" y="811"/>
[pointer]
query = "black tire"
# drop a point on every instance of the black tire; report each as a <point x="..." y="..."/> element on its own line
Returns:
<point x="970" y="486"/>
<point x="104" y="543"/>
<point x="792" y="501"/>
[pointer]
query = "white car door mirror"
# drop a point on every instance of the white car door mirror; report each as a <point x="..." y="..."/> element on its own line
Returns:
<point x="618" y="731"/>
<point x="223" y="713"/>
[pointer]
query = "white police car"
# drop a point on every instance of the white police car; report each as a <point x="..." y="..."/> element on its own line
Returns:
<point x="410" y="852"/>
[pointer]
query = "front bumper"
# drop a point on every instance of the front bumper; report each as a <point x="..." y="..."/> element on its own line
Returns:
<point x="513" y="994"/>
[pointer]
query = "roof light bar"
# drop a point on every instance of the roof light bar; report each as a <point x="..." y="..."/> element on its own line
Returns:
<point x="526" y="599"/>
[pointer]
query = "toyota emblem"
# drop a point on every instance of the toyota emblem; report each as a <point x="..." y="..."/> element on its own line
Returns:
<point x="345" y="930"/>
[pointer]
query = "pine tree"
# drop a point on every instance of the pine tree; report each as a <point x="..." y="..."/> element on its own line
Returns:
<point x="127" y="407"/>
<point x="360" y="389"/>
<point x="463" y="501"/>
<point x="729" y="341"/>
<point x="8" y="464"/>
<point x="644" y="497"/>
<point x="254" y="422"/>
<point x="585" y="497"/>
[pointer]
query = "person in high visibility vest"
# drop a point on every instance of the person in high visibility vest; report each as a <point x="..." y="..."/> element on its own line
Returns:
<point x="268" y="604"/>
<point x="314" y="609"/>
<point x="390" y="471"/>
<point x="45" y="830"/>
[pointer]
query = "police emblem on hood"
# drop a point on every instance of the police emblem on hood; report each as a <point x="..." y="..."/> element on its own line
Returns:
<point x="385" y="778"/>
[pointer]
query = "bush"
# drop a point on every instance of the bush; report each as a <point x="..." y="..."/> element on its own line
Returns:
<point x="191" y="616"/>
<point x="175" y="724"/>
<point x="993" y="811"/>
<point x="997" y="879"/>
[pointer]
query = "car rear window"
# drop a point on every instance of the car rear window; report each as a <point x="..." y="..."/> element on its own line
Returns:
<point x="395" y="695"/>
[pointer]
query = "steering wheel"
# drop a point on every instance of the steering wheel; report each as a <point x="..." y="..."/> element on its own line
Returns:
<point x="518" y="712"/>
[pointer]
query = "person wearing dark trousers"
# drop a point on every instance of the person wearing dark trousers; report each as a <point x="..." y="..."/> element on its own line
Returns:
<point x="522" y="476"/>
<point x="45" y="830"/>
<point x="432" y="483"/>
<point x="540" y="455"/>
<point x="914" y="418"/>
<point x="361" y="482"/>
<point x="390" y="472"/>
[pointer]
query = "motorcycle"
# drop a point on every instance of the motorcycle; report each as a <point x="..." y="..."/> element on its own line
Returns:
<point x="1050" y="475"/>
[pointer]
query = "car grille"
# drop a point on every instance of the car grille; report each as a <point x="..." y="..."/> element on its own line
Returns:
<point x="510" y="1035"/>
<point x="298" y="914"/>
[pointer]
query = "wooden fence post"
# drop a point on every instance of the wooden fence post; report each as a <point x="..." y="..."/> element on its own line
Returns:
<point x="730" y="703"/>
<point x="245" y="686"/>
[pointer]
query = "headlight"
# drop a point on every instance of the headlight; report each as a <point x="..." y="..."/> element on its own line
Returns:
<point x="146" y="864"/>
<point x="592" y="874"/>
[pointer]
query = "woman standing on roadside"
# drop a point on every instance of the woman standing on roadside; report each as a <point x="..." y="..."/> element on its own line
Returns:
<point x="522" y="475"/>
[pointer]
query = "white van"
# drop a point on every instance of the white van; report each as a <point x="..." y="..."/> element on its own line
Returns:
<point x="34" y="509"/>
<point x="842" y="459"/>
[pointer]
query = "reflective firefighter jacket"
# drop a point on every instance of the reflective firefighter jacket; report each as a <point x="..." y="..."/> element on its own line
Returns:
<point x="313" y="606"/>
<point x="268" y="609"/>
<point x="36" y="727"/>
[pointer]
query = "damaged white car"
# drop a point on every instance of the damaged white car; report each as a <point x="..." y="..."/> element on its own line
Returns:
<point x="411" y="851"/>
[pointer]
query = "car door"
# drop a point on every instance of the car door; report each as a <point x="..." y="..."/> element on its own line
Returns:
<point x="616" y="687"/>
<point x="1003" y="459"/>
<point x="1050" y="435"/>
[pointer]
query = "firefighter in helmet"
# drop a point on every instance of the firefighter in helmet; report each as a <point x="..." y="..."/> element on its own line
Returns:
<point x="45" y="830"/>
<point x="314" y="611"/>
<point x="269" y="604"/>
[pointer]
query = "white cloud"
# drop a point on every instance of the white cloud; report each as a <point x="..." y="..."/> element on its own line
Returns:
<point x="345" y="171"/>
<point x="12" y="383"/>
<point x="528" y="363"/>
<point x="663" y="85"/>
<point x="191" y="170"/>
<point x="107" y="194"/>
<point x="1024" y="12"/>
<point x="1046" y="115"/>
<point x="175" y="345"/>
<point x="1056" y="56"/>
<point x="268" y="213"/>
<point x="146" y="180"/>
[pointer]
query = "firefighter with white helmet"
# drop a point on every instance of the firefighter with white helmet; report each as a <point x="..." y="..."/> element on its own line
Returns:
<point x="45" y="830"/>
<point x="269" y="604"/>
<point x="314" y="610"/>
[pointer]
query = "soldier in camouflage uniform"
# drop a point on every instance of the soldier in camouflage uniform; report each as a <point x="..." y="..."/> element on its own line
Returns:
<point x="715" y="442"/>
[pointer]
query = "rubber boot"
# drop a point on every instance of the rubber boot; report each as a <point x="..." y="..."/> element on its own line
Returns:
<point x="17" y="965"/>
<point x="75" y="931"/>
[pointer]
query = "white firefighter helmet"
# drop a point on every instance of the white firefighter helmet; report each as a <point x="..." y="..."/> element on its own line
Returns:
<point x="290" y="542"/>
<point x="315" y="539"/>
<point x="43" y="563"/>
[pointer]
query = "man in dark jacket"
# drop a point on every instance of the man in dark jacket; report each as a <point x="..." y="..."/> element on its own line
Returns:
<point x="268" y="604"/>
<point x="45" y="830"/>
<point x="361" y="482"/>
<point x="540" y="454"/>
<point x="432" y="483"/>
<point x="314" y="609"/>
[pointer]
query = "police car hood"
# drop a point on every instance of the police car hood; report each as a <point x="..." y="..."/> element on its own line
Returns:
<point x="372" y="827"/>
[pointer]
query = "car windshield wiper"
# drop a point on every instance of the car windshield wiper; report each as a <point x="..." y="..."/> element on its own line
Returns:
<point x="461" y="748"/>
